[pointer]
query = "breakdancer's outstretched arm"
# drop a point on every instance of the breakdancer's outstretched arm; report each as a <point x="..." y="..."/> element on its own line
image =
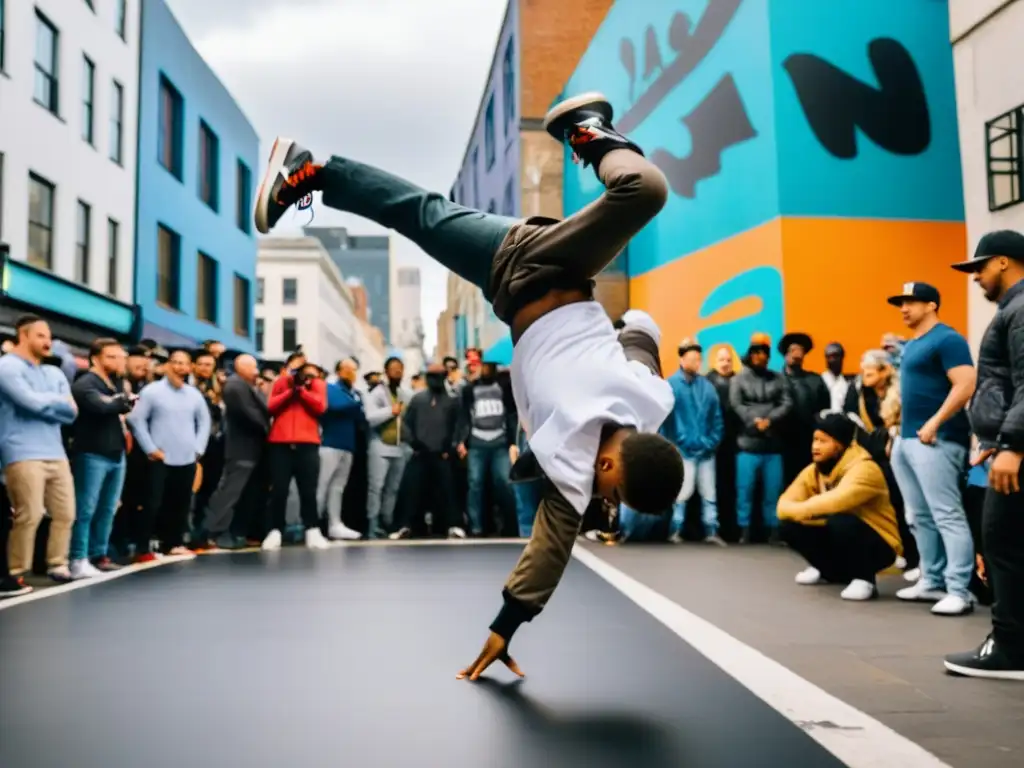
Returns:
<point x="590" y="401"/>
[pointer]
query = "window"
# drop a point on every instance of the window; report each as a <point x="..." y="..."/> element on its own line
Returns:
<point x="121" y="24"/>
<point x="117" y="122"/>
<point x="208" y="152"/>
<point x="508" y="82"/>
<point x="40" y="221"/>
<point x="3" y="18"/>
<point x="169" y="140"/>
<point x="492" y="207"/>
<point x="259" y="334"/>
<point x="242" y="307"/>
<point x="244" y="191"/>
<point x="489" y="149"/>
<point x="206" y="288"/>
<point x="113" y="245"/>
<point x="168" y="267"/>
<point x="509" y="203"/>
<point x="91" y="6"/>
<point x="475" y="170"/>
<point x="1003" y="153"/>
<point x="259" y="290"/>
<point x="289" y="335"/>
<point x="289" y="291"/>
<point x="45" y="90"/>
<point x="88" y="98"/>
<point x="82" y="243"/>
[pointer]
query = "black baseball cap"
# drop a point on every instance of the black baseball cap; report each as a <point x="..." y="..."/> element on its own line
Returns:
<point x="1003" y="242"/>
<point x="917" y="292"/>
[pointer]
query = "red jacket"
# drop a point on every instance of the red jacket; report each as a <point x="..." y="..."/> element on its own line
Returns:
<point x="296" y="411"/>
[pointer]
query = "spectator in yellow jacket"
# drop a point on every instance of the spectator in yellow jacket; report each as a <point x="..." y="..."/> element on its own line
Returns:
<point x="837" y="514"/>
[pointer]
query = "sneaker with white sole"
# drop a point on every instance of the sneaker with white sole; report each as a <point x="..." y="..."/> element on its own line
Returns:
<point x="83" y="569"/>
<point x="809" y="577"/>
<point x="988" y="661"/>
<point x="342" y="532"/>
<point x="456" y="533"/>
<point x="914" y="574"/>
<point x="273" y="541"/>
<point x="921" y="593"/>
<point x="316" y="540"/>
<point x="60" y="574"/>
<point x="953" y="605"/>
<point x="859" y="589"/>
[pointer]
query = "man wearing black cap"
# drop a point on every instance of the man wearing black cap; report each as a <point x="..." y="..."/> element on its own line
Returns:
<point x="810" y="397"/>
<point x="836" y="381"/>
<point x="837" y="513"/>
<point x="930" y="458"/>
<point x="997" y="418"/>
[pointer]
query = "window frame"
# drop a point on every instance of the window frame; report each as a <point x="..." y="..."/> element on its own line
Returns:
<point x="259" y="334"/>
<point x="206" y="288"/>
<point x="48" y="227"/>
<point x="113" y="248"/>
<point x="52" y="77"/>
<point x="490" y="135"/>
<point x="208" y="158"/>
<point x="241" y="305"/>
<point x="294" y="281"/>
<point x="83" y="245"/>
<point x="121" y="20"/>
<point x="172" y="280"/>
<point x="294" y="331"/>
<point x="89" y="101"/>
<point x="1013" y="134"/>
<point x="116" y="127"/>
<point x="3" y="34"/>
<point x="243" y="197"/>
<point x="170" y="98"/>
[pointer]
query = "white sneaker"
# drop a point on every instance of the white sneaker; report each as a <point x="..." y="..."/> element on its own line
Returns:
<point x="456" y="533"/>
<point x="914" y="574"/>
<point x="343" y="532"/>
<point x="809" y="577"/>
<point x="859" y="589"/>
<point x="273" y="541"/>
<point x="953" y="605"/>
<point x="592" y="535"/>
<point x="900" y="563"/>
<point x="316" y="540"/>
<point x="921" y="593"/>
<point x="83" y="569"/>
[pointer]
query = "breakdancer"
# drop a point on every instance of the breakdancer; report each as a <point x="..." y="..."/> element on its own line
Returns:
<point x="590" y="399"/>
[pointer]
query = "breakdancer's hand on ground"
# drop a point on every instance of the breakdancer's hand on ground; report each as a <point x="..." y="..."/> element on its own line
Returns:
<point x="494" y="650"/>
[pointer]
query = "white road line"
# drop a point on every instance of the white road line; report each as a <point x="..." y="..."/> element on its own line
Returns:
<point x="40" y="592"/>
<point x="852" y="736"/>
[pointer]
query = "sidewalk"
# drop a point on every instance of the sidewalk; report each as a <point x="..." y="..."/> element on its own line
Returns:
<point x="883" y="657"/>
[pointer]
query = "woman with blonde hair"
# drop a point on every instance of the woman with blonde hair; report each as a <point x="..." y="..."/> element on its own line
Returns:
<point x="873" y="403"/>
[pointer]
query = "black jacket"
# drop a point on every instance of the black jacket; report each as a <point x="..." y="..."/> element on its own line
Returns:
<point x="430" y="422"/>
<point x="246" y="420"/>
<point x="756" y="395"/>
<point x="98" y="428"/>
<point x="997" y="408"/>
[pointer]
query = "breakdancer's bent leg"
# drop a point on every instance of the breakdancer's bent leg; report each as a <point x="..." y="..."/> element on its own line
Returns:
<point x="511" y="260"/>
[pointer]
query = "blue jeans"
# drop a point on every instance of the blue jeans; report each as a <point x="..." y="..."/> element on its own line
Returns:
<point x="929" y="479"/>
<point x="493" y="459"/>
<point x="748" y="467"/>
<point x="98" y="483"/>
<point x="636" y="527"/>
<point x="698" y="475"/>
<point x="527" y="500"/>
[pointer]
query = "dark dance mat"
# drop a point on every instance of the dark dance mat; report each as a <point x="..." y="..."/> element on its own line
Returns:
<point x="347" y="659"/>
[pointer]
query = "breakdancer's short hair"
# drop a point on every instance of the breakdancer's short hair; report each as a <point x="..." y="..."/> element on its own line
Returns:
<point x="652" y="471"/>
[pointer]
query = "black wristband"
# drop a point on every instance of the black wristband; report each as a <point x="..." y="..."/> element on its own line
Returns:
<point x="512" y="615"/>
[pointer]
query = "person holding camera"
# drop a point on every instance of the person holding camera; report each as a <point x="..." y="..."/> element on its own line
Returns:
<point x="98" y="456"/>
<point x="296" y="403"/>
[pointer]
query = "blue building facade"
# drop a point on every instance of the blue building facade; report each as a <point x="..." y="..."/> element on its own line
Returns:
<point x="195" y="268"/>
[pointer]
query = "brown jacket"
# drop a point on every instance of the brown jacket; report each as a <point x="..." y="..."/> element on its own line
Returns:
<point x="856" y="486"/>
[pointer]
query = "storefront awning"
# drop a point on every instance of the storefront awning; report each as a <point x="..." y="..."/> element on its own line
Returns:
<point x="75" y="313"/>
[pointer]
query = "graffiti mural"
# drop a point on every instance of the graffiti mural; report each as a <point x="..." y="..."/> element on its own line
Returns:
<point x="763" y="116"/>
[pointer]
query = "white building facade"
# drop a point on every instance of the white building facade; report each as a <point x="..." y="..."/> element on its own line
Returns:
<point x="407" y="319"/>
<point x="68" y="121"/>
<point x="986" y="37"/>
<point x="303" y="300"/>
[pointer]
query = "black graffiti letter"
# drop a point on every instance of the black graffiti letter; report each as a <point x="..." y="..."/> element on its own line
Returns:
<point x="717" y="123"/>
<point x="894" y="116"/>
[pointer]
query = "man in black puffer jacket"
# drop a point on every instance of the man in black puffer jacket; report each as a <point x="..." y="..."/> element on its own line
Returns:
<point x="761" y="401"/>
<point x="997" y="419"/>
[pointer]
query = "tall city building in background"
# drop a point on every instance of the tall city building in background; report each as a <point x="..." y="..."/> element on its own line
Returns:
<point x="302" y="299"/>
<point x="68" y="107"/>
<point x="511" y="165"/>
<point x="198" y="154"/>
<point x="366" y="258"/>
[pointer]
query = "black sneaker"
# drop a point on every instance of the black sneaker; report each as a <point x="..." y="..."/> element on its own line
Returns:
<point x="291" y="176"/>
<point x="585" y="122"/>
<point x="13" y="587"/>
<point x="986" y="661"/>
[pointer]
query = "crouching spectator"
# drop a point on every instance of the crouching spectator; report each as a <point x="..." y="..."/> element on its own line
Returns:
<point x="837" y="514"/>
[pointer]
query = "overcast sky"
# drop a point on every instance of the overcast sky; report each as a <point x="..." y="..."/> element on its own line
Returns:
<point x="394" y="83"/>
